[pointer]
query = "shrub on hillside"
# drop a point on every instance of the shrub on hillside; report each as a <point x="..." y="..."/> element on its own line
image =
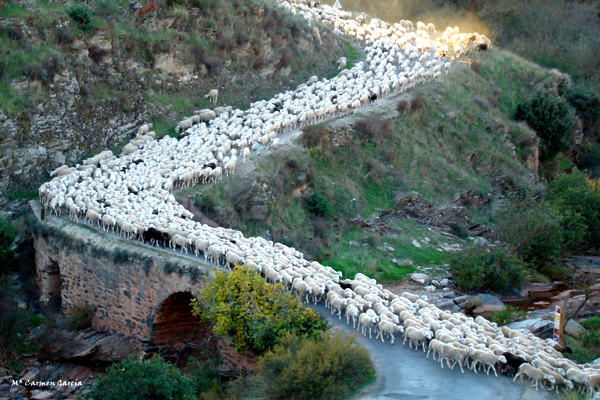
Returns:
<point x="14" y="325"/>
<point x="588" y="158"/>
<point x="331" y="367"/>
<point x="318" y="205"/>
<point x="459" y="230"/>
<point x="579" y="202"/>
<point x="403" y="106"/>
<point x="587" y="348"/>
<point x="476" y="269"/>
<point x="134" y="379"/>
<point x="417" y="104"/>
<point x="81" y="318"/>
<point x="551" y="118"/>
<point x="372" y="129"/>
<point x="585" y="100"/>
<point x="507" y="315"/>
<point x="203" y="374"/>
<point x="7" y="237"/>
<point x="315" y="136"/>
<point x="533" y="228"/>
<point x="257" y="314"/>
<point x="45" y="70"/>
<point x="82" y="15"/>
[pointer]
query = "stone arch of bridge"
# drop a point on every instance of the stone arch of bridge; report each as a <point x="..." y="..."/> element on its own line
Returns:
<point x="178" y="335"/>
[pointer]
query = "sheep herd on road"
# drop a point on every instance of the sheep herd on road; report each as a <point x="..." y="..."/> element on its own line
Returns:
<point x="131" y="195"/>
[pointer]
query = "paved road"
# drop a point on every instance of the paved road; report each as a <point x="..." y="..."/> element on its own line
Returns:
<point x="406" y="374"/>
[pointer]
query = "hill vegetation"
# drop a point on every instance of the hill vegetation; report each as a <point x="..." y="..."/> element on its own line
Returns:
<point x="325" y="192"/>
<point x="77" y="78"/>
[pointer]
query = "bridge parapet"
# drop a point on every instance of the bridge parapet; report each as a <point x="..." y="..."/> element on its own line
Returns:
<point x="125" y="281"/>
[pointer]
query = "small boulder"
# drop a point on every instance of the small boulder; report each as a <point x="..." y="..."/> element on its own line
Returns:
<point x="573" y="329"/>
<point x="488" y="299"/>
<point x="441" y="283"/>
<point x="422" y="279"/>
<point x="415" y="243"/>
<point x="481" y="242"/>
<point x="446" y="305"/>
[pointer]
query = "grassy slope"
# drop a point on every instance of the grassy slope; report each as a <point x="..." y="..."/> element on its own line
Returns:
<point x="427" y="151"/>
<point x="215" y="40"/>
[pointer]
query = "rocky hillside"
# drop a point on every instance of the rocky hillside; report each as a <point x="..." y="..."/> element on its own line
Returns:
<point x="78" y="78"/>
<point x="399" y="185"/>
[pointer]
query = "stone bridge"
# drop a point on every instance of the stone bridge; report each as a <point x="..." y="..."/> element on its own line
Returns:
<point x="135" y="290"/>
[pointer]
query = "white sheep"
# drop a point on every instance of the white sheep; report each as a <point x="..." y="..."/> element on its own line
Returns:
<point x="450" y="352"/>
<point x="213" y="96"/>
<point x="534" y="374"/>
<point x="417" y="336"/>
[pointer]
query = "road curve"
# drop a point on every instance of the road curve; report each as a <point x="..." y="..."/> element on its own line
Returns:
<point x="407" y="374"/>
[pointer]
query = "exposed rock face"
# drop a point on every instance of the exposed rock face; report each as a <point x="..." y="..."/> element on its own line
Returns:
<point x="539" y="327"/>
<point x="98" y="87"/>
<point x="415" y="206"/>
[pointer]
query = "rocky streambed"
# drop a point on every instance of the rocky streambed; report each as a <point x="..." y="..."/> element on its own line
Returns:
<point x="536" y="300"/>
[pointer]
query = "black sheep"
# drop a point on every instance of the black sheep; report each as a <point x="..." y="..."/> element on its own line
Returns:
<point x="513" y="361"/>
<point x="481" y="47"/>
<point x="155" y="236"/>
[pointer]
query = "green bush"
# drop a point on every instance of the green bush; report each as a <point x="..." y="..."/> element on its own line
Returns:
<point x="134" y="379"/>
<point x="14" y="325"/>
<point x="82" y="15"/>
<point x="242" y="304"/>
<point x="7" y="237"/>
<point x="579" y="202"/>
<point x="476" y="269"/>
<point x="81" y="318"/>
<point x="459" y="230"/>
<point x="318" y="205"/>
<point x="587" y="348"/>
<point x="507" y="315"/>
<point x="586" y="102"/>
<point x="551" y="118"/>
<point x="588" y="158"/>
<point x="533" y="228"/>
<point x="333" y="367"/>
<point x="203" y="375"/>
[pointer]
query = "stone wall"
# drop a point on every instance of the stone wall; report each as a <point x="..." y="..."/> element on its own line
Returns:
<point x="126" y="282"/>
<point x="136" y="290"/>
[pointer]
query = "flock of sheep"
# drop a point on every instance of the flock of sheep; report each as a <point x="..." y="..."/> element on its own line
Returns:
<point x="131" y="195"/>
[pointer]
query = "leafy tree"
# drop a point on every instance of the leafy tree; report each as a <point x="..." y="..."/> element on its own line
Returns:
<point x="333" y="367"/>
<point x="551" y="118"/>
<point x="134" y="379"/>
<point x="533" y="228"/>
<point x="242" y="304"/>
<point x="579" y="200"/>
<point x="476" y="269"/>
